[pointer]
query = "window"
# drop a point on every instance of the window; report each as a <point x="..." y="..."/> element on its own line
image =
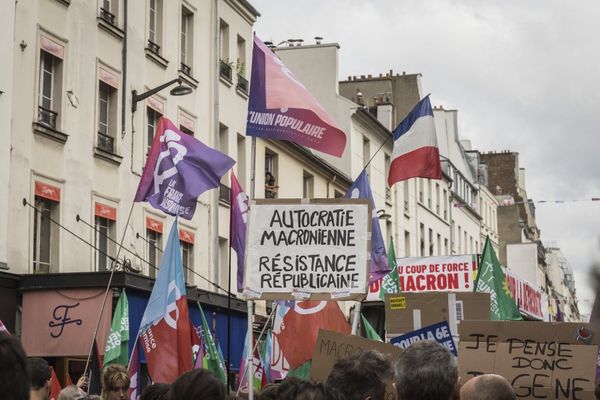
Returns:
<point x="109" y="10"/>
<point x="430" y="242"/>
<point x="187" y="254"/>
<point x="429" y="194"/>
<point x="422" y="239"/>
<point x="103" y="235"/>
<point x="446" y="246"/>
<point x="445" y="200"/>
<point x="185" y="130"/>
<point x="45" y="233"/>
<point x="152" y="117"/>
<point x="50" y="83"/>
<point x="187" y="40"/>
<point x="154" y="242"/>
<point x="437" y="199"/>
<point x="406" y="243"/>
<point x="107" y="117"/>
<point x="42" y="235"/>
<point x="420" y="180"/>
<point x="388" y="190"/>
<point x="271" y="186"/>
<point x="405" y="194"/>
<point x="307" y="186"/>
<point x="241" y="159"/>
<point x="337" y="194"/>
<point x="224" y="35"/>
<point x="367" y="154"/>
<point x="240" y="65"/>
<point x="155" y="25"/>
<point x="439" y="244"/>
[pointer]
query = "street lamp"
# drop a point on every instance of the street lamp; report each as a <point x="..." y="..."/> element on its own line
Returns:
<point x="179" y="90"/>
<point x="381" y="214"/>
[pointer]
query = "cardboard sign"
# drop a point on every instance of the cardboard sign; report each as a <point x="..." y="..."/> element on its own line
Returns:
<point x="422" y="309"/>
<point x="439" y="332"/>
<point x="540" y="359"/>
<point x="432" y="274"/>
<point x="301" y="250"/>
<point x="332" y="346"/>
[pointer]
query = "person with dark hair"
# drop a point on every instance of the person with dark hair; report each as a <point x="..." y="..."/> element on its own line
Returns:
<point x="487" y="387"/>
<point x="14" y="376"/>
<point x="269" y="392"/>
<point x="361" y="376"/>
<point x="426" y="370"/>
<point x="315" y="391"/>
<point x="115" y="382"/>
<point x="40" y="378"/>
<point x="197" y="384"/>
<point x="288" y="388"/>
<point x="156" y="391"/>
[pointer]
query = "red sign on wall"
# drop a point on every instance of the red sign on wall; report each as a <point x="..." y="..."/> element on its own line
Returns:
<point x="104" y="211"/>
<point x="187" y="236"/>
<point x="47" y="191"/>
<point x="154" y="225"/>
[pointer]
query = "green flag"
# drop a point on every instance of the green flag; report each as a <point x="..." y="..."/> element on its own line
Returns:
<point x="490" y="279"/>
<point x="371" y="332"/>
<point x="212" y="360"/>
<point x="116" y="351"/>
<point x="302" y="372"/>
<point x="390" y="283"/>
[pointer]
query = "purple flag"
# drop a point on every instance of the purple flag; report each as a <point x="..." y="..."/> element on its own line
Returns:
<point x="281" y="108"/>
<point x="361" y="189"/>
<point x="239" y="217"/>
<point x="178" y="170"/>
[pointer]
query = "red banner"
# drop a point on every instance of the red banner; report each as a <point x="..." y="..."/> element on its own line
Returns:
<point x="104" y="211"/>
<point x="47" y="191"/>
<point x="154" y="225"/>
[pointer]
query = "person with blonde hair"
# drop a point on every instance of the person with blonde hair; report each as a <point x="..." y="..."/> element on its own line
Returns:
<point x="115" y="382"/>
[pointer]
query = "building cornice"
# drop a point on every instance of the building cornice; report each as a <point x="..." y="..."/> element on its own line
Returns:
<point x="245" y="10"/>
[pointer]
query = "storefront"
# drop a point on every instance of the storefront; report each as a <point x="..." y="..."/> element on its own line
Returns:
<point x="60" y="313"/>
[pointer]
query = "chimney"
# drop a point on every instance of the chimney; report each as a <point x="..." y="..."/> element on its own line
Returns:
<point x="391" y="72"/>
<point x="318" y="40"/>
<point x="369" y="76"/>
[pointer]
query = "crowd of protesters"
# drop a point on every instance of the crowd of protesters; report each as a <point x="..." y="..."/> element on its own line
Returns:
<point x="423" y="371"/>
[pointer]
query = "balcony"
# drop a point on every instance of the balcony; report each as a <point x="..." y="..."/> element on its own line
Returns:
<point x="224" y="193"/>
<point x="106" y="143"/>
<point x="226" y="71"/>
<point x="242" y="84"/>
<point x="107" y="16"/>
<point x="47" y="117"/>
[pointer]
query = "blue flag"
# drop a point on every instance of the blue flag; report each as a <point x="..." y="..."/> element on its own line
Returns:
<point x="361" y="189"/>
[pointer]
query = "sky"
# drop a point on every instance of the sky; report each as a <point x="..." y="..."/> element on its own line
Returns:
<point x="523" y="75"/>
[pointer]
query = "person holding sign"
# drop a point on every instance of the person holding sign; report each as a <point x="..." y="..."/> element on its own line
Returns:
<point x="426" y="371"/>
<point x="487" y="387"/>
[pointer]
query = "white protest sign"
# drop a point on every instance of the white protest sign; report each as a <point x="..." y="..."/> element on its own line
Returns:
<point x="432" y="274"/>
<point x="320" y="248"/>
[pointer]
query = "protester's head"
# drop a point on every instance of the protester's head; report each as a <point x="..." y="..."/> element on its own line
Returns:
<point x="425" y="371"/>
<point x="39" y="376"/>
<point x="270" y="392"/>
<point x="115" y="382"/>
<point x="197" y="384"/>
<point x="14" y="376"/>
<point x="487" y="387"/>
<point x="314" y="391"/>
<point x="71" y="392"/>
<point x="156" y="391"/>
<point x="288" y="388"/>
<point x="361" y="376"/>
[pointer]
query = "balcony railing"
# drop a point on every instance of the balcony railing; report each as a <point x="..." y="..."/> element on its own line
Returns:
<point x="107" y="16"/>
<point x="153" y="47"/>
<point x="106" y="143"/>
<point x="242" y="84"/>
<point x="186" y="69"/>
<point x="226" y="71"/>
<point x="224" y="193"/>
<point x="47" y="117"/>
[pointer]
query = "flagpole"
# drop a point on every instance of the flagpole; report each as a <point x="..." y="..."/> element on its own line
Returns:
<point x="250" y="303"/>
<point x="229" y="302"/>
<point x="356" y="317"/>
<point x="110" y="278"/>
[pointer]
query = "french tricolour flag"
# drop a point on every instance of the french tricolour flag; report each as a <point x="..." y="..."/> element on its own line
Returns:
<point x="415" y="146"/>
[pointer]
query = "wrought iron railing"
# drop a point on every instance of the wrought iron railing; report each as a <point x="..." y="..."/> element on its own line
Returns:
<point x="226" y="71"/>
<point x="106" y="143"/>
<point x="242" y="84"/>
<point x="153" y="47"/>
<point x="107" y="16"/>
<point x="47" y="117"/>
<point x="186" y="69"/>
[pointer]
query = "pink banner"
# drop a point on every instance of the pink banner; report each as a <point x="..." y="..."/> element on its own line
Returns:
<point x="58" y="323"/>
